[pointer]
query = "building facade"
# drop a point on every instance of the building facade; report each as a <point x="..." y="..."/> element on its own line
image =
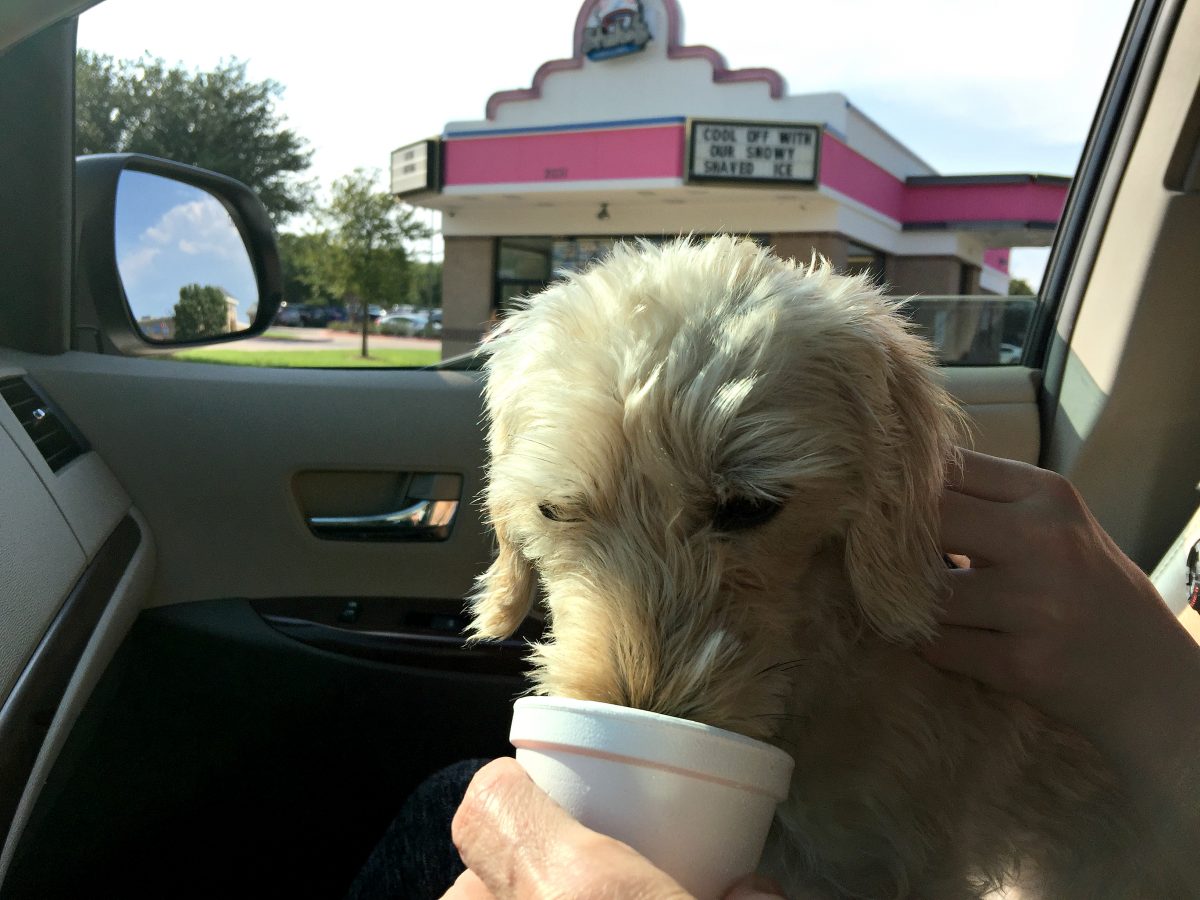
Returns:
<point x="639" y="135"/>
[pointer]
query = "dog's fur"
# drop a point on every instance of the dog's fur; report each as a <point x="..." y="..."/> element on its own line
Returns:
<point x="632" y="407"/>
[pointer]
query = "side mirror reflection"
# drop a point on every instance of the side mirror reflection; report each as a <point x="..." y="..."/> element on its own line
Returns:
<point x="183" y="263"/>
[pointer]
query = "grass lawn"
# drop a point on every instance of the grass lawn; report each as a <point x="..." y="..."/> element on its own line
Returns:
<point x="311" y="359"/>
<point x="275" y="335"/>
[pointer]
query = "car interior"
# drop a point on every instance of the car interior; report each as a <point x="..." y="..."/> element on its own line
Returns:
<point x="226" y="657"/>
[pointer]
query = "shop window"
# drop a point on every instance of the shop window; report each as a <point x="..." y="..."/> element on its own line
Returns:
<point x="523" y="259"/>
<point x="863" y="260"/>
<point x="525" y="265"/>
<point x="573" y="254"/>
<point x="508" y="291"/>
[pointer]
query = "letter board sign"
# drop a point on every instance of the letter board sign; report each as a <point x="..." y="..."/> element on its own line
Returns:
<point x="416" y="168"/>
<point x="769" y="153"/>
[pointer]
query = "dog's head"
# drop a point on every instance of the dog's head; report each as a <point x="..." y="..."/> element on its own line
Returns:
<point x="711" y="461"/>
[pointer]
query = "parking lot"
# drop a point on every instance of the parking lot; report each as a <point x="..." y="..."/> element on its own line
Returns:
<point x="279" y="337"/>
<point x="313" y="348"/>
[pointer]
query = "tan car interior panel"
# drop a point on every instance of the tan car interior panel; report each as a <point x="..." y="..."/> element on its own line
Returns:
<point x="335" y="443"/>
<point x="1000" y="403"/>
<point x="40" y="559"/>
<point x="1127" y="426"/>
<point x="162" y="426"/>
<point x="56" y="526"/>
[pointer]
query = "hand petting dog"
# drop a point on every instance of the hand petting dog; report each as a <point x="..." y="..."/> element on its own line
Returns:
<point x="1051" y="611"/>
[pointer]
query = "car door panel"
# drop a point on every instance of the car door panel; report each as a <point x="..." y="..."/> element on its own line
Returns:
<point x="169" y="426"/>
<point x="74" y="565"/>
<point x="39" y="561"/>
<point x="257" y="613"/>
<point x="220" y="758"/>
<point x="1000" y="405"/>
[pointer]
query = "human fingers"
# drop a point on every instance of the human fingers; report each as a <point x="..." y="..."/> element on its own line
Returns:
<point x="983" y="598"/>
<point x="982" y="530"/>
<point x="993" y="478"/>
<point x="505" y="829"/>
<point x="468" y="887"/>
<point x="523" y="846"/>
<point x="983" y="655"/>
<point x="755" y="887"/>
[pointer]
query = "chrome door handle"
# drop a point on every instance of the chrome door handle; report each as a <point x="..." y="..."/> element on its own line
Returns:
<point x="425" y="520"/>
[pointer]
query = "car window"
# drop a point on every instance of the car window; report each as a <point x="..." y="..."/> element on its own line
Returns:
<point x="427" y="165"/>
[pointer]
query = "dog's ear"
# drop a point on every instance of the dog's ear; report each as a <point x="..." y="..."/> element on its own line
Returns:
<point x="893" y="556"/>
<point x="503" y="594"/>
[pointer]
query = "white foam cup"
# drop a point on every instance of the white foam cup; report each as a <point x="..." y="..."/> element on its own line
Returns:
<point x="695" y="800"/>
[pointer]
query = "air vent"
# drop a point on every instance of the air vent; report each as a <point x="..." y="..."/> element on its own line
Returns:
<point x="55" y="437"/>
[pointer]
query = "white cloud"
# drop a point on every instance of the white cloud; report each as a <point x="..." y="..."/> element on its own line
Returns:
<point x="193" y="242"/>
<point x="200" y="226"/>
<point x="136" y="263"/>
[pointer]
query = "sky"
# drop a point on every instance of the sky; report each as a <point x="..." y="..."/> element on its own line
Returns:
<point x="169" y="235"/>
<point x="971" y="86"/>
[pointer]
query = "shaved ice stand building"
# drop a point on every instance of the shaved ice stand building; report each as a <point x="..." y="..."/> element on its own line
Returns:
<point x="640" y="135"/>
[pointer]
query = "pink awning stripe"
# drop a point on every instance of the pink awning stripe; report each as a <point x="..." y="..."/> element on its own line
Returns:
<point x="997" y="258"/>
<point x="624" y="153"/>
<point x="657" y="151"/>
<point x="983" y="202"/>
<point x="849" y="172"/>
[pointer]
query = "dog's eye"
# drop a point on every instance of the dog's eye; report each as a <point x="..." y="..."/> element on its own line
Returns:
<point x="743" y="513"/>
<point x="553" y="513"/>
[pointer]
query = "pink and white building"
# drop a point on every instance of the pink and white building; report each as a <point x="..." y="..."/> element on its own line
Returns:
<point x="639" y="134"/>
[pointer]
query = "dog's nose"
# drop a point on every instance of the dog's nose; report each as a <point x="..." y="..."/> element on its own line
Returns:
<point x="686" y="682"/>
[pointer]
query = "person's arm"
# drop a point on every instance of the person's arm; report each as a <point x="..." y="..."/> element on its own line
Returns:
<point x="518" y="844"/>
<point x="1050" y="610"/>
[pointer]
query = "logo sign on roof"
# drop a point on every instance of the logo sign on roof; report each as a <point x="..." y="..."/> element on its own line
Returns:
<point x="415" y="168"/>
<point x="753" y="152"/>
<point x="615" y="28"/>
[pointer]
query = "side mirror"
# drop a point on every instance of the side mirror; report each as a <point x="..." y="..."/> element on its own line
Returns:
<point x="167" y="256"/>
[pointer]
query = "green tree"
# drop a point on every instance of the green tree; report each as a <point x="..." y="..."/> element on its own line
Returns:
<point x="1019" y="287"/>
<point x="426" y="287"/>
<point x="217" y="120"/>
<point x="201" y="312"/>
<point x="302" y="259"/>
<point x="366" y="232"/>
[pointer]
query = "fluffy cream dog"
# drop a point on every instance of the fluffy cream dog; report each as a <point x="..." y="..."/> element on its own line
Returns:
<point x="722" y="470"/>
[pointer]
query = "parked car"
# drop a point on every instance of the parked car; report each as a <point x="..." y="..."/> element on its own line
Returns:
<point x="374" y="311"/>
<point x="314" y="316"/>
<point x="290" y="316"/>
<point x="1010" y="354"/>
<point x="410" y="324"/>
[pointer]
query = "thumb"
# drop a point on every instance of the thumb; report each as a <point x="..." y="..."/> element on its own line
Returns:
<point x="755" y="887"/>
